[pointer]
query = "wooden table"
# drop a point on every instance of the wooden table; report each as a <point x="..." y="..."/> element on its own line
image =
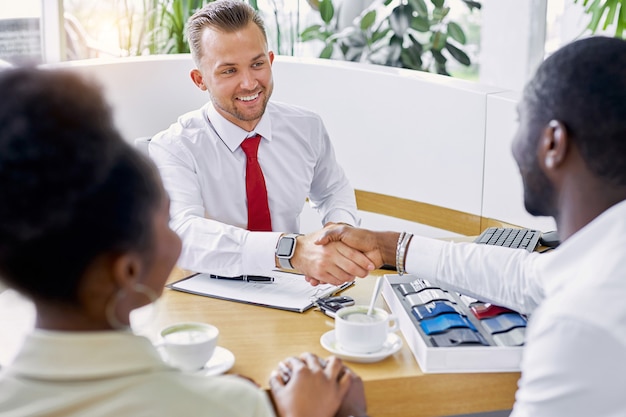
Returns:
<point x="260" y="337"/>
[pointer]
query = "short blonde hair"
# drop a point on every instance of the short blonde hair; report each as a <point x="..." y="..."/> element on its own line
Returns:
<point x="224" y="15"/>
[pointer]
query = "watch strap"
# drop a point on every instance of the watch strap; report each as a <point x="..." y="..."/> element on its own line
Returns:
<point x="285" y="260"/>
<point x="284" y="263"/>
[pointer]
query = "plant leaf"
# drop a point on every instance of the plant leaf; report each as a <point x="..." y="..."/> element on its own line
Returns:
<point x="395" y="51"/>
<point x="438" y="40"/>
<point x="417" y="46"/>
<point x="420" y="23"/>
<point x="440" y="13"/>
<point x="354" y="38"/>
<point x="396" y="41"/>
<point x="458" y="54"/>
<point x="420" y="7"/>
<point x="327" y="52"/>
<point x="410" y="59"/>
<point x="312" y="32"/>
<point x="611" y="16"/>
<point x="621" y="22"/>
<point x="327" y="10"/>
<point x="376" y="36"/>
<point x="353" y="54"/>
<point x="399" y="20"/>
<point x="438" y="57"/>
<point x="316" y="28"/>
<point x="456" y="33"/>
<point x="368" y="20"/>
<point x="476" y="5"/>
<point x="597" y="10"/>
<point x="440" y="67"/>
<point x="438" y="3"/>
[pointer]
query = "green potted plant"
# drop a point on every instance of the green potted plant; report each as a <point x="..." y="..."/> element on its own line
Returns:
<point x="407" y="34"/>
<point x="166" y="24"/>
<point x="613" y="12"/>
<point x="167" y="20"/>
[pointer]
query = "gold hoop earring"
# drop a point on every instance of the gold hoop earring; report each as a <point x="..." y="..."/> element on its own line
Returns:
<point x="111" y="307"/>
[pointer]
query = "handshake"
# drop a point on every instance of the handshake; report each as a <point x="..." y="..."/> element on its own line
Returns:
<point x="338" y="253"/>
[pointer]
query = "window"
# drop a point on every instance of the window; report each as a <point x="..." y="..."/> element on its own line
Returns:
<point x="20" y="32"/>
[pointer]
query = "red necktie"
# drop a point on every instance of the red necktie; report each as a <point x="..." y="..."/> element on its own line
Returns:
<point x="258" y="208"/>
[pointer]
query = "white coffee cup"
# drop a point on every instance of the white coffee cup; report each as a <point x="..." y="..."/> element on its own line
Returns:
<point x="189" y="345"/>
<point x="357" y="332"/>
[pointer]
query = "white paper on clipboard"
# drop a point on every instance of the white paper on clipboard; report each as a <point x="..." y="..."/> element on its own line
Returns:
<point x="289" y="291"/>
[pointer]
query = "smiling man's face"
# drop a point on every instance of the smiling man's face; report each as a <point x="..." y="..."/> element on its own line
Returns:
<point x="236" y="69"/>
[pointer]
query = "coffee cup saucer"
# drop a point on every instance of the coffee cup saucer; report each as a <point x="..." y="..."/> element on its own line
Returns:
<point x="221" y="361"/>
<point x="392" y="345"/>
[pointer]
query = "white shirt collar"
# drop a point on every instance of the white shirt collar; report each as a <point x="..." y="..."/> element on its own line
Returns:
<point x="561" y="265"/>
<point x="231" y="134"/>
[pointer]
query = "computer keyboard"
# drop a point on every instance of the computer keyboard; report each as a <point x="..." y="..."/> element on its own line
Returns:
<point x="510" y="237"/>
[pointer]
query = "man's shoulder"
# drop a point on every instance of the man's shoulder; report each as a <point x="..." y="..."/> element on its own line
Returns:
<point x="187" y="125"/>
<point x="290" y="110"/>
<point x="594" y="292"/>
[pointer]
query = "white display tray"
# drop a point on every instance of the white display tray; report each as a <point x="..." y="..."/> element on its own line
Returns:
<point x="446" y="359"/>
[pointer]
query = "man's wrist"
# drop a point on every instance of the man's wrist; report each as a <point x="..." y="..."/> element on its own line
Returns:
<point x="285" y="249"/>
<point x="401" y="249"/>
<point x="388" y="243"/>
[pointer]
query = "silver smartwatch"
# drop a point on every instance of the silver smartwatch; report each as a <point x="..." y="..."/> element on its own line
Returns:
<point x="285" y="249"/>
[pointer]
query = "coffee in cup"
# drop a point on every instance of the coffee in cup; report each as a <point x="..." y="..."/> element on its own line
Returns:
<point x="189" y="346"/>
<point x="358" y="332"/>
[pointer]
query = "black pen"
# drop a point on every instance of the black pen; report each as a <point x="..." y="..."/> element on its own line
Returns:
<point x="247" y="278"/>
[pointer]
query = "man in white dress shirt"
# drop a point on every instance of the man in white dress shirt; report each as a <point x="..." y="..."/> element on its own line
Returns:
<point x="571" y="151"/>
<point x="203" y="164"/>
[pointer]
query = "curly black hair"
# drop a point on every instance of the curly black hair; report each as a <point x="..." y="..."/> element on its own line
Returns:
<point x="71" y="188"/>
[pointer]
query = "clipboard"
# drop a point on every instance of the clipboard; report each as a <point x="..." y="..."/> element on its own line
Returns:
<point x="289" y="291"/>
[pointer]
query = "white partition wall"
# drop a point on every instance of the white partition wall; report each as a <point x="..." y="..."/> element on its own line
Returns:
<point x="503" y="194"/>
<point x="399" y="132"/>
<point x="147" y="93"/>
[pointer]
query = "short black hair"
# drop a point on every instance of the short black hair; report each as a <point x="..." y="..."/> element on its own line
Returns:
<point x="71" y="188"/>
<point x="583" y="85"/>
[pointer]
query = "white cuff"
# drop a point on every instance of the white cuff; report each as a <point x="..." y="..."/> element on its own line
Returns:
<point x="423" y="256"/>
<point x="259" y="252"/>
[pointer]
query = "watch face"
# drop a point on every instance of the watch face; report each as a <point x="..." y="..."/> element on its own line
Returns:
<point x="285" y="246"/>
